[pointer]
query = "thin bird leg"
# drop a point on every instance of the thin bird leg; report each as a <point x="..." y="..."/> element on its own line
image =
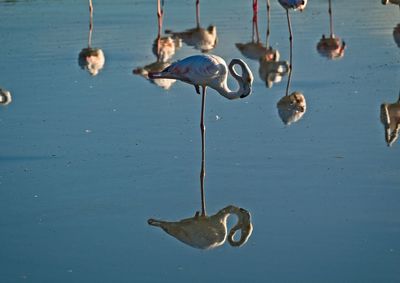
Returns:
<point x="90" y="23"/>
<point x="160" y="14"/>
<point x="198" y="13"/>
<point x="268" y="23"/>
<point x="290" y="52"/>
<point x="203" y="153"/>
<point x="255" y="21"/>
<point x="330" y="18"/>
<point x="290" y="38"/>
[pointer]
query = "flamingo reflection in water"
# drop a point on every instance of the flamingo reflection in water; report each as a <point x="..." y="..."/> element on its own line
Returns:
<point x="202" y="231"/>
<point x="396" y="35"/>
<point x="271" y="70"/>
<point x="208" y="232"/>
<point x="331" y="47"/>
<point x="164" y="48"/>
<point x="291" y="108"/>
<point x="91" y="59"/>
<point x="395" y="2"/>
<point x="198" y="37"/>
<point x="390" y="118"/>
<point x="5" y="97"/>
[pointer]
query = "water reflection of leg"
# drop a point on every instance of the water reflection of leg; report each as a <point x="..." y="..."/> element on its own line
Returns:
<point x="198" y="13"/>
<point x="290" y="51"/>
<point x="330" y="18"/>
<point x="90" y="23"/>
<point x="203" y="152"/>
<point x="268" y="23"/>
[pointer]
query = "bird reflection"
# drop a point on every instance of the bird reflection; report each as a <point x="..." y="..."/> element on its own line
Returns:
<point x="208" y="232"/>
<point x="5" y="97"/>
<point x="390" y="118"/>
<point x="164" y="49"/>
<point x="291" y="108"/>
<point x="395" y="2"/>
<point x="202" y="231"/>
<point x="90" y="58"/>
<point x="331" y="47"/>
<point x="396" y="35"/>
<point x="271" y="70"/>
<point x="200" y="38"/>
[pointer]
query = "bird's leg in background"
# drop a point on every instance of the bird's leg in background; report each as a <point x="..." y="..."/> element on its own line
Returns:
<point x="160" y="15"/>
<point x="290" y="52"/>
<point x="203" y="153"/>
<point x="330" y="18"/>
<point x="268" y="23"/>
<point x="255" y="22"/>
<point x="90" y="23"/>
<point x="290" y="39"/>
<point x="198" y="13"/>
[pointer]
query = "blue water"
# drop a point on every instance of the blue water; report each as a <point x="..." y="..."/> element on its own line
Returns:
<point x="86" y="160"/>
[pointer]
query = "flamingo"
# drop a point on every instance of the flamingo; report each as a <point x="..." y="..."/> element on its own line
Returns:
<point x="164" y="49"/>
<point x="209" y="70"/>
<point x="390" y="118"/>
<point x="5" y="97"/>
<point x="331" y="47"/>
<point x="200" y="38"/>
<point x="295" y="5"/>
<point x="208" y="232"/>
<point x="90" y="58"/>
<point x="253" y="49"/>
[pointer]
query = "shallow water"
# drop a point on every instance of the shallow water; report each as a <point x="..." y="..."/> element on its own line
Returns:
<point x="86" y="160"/>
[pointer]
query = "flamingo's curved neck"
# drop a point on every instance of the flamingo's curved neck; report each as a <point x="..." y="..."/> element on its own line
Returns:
<point x="244" y="85"/>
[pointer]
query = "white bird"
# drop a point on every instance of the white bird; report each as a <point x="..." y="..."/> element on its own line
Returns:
<point x="292" y="107"/>
<point x="390" y="118"/>
<point x="5" y="97"/>
<point x="212" y="71"/>
<point x="91" y="59"/>
<point x="331" y="47"/>
<point x="208" y="232"/>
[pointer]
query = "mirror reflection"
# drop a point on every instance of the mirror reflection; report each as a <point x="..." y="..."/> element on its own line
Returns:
<point x="271" y="70"/>
<point x="396" y="35"/>
<point x="390" y="118"/>
<point x="395" y="2"/>
<point x="203" y="231"/>
<point x="90" y="58"/>
<point x="164" y="48"/>
<point x="203" y="39"/>
<point x="5" y="97"/>
<point x="291" y="108"/>
<point x="331" y="47"/>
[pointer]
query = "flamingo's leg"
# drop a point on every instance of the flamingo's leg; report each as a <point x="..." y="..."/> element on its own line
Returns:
<point x="203" y="153"/>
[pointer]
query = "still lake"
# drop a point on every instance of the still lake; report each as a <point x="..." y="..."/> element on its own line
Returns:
<point x="86" y="160"/>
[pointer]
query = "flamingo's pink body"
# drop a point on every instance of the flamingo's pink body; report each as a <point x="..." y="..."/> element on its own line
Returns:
<point x="209" y="70"/>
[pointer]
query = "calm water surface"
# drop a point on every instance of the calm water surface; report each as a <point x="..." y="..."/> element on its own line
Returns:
<point x="86" y="160"/>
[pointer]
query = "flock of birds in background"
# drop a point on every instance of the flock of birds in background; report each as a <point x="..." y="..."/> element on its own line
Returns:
<point x="206" y="70"/>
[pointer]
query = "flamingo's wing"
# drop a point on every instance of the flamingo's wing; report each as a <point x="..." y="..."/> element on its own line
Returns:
<point x="197" y="70"/>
